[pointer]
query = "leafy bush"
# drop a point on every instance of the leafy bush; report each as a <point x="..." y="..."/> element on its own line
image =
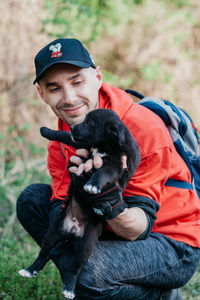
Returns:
<point x="86" y="18"/>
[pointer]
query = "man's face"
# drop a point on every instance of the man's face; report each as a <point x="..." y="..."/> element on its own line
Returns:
<point x="70" y="91"/>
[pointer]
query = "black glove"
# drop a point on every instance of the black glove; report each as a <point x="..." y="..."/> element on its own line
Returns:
<point x="107" y="205"/>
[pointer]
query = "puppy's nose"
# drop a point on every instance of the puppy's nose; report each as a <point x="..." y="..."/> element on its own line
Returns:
<point x="72" y="129"/>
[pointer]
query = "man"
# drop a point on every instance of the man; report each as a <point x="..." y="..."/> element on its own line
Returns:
<point x="151" y="241"/>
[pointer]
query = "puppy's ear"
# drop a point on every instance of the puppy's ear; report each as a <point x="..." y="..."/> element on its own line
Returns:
<point x="115" y="133"/>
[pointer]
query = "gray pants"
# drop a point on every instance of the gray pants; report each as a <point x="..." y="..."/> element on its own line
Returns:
<point x="118" y="270"/>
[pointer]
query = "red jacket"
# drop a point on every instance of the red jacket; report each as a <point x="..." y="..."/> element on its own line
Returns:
<point x="179" y="213"/>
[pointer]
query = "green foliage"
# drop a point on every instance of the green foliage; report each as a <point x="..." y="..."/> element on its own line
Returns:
<point x="180" y="3"/>
<point x="34" y="150"/>
<point x="17" y="248"/>
<point x="86" y="19"/>
<point x="180" y="38"/>
<point x="116" y="80"/>
<point x="192" y="289"/>
<point x="16" y="254"/>
<point x="152" y="70"/>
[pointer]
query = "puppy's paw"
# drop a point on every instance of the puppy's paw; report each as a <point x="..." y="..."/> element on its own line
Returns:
<point x="68" y="294"/>
<point x="27" y="273"/>
<point x="92" y="189"/>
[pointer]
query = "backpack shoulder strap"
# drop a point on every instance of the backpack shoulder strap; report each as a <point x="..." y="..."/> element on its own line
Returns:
<point x="134" y="93"/>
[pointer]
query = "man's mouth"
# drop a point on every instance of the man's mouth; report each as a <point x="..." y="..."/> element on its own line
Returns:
<point x="72" y="110"/>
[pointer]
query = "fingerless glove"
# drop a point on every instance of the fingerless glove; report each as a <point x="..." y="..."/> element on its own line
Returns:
<point x="108" y="204"/>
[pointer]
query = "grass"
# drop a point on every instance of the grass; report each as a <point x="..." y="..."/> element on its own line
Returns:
<point x="16" y="254"/>
<point x="17" y="251"/>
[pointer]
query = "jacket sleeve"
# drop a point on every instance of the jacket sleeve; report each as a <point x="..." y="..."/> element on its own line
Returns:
<point x="145" y="188"/>
<point x="151" y="175"/>
<point x="57" y="165"/>
<point x="155" y="147"/>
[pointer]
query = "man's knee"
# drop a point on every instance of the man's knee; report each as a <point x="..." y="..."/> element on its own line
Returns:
<point x="34" y="197"/>
<point x="34" y="193"/>
<point x="33" y="210"/>
<point x="23" y="198"/>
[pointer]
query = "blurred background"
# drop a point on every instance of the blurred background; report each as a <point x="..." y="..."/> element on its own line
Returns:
<point x="152" y="46"/>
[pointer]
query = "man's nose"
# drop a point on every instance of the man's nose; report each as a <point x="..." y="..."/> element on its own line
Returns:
<point x="69" y="95"/>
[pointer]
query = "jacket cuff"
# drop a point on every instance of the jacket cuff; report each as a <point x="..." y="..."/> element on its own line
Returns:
<point x="116" y="210"/>
<point x="54" y="206"/>
<point x="106" y="212"/>
<point x="150" y="208"/>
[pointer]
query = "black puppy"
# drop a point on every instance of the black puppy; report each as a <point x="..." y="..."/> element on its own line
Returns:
<point x="76" y="228"/>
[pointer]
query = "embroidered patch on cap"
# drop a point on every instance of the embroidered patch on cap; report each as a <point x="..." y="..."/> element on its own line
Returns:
<point x="56" y="50"/>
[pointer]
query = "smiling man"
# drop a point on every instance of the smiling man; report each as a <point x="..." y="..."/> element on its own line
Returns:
<point x="151" y="239"/>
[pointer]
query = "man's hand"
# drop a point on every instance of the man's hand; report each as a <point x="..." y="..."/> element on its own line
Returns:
<point x="96" y="162"/>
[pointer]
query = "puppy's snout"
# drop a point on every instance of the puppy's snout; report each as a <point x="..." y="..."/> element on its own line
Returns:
<point x="75" y="129"/>
<point x="71" y="127"/>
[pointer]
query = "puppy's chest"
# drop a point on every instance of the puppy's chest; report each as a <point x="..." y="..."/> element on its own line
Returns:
<point x="74" y="222"/>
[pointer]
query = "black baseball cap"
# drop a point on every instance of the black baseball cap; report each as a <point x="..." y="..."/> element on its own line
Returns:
<point x="65" y="50"/>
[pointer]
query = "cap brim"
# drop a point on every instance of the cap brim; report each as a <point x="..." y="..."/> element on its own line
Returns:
<point x="80" y="64"/>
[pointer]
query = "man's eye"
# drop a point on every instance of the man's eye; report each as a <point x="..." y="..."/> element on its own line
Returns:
<point x="54" y="89"/>
<point x="77" y="82"/>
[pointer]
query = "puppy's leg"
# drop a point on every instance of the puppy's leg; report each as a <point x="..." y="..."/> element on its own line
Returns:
<point x="50" y="239"/>
<point x="71" y="264"/>
<point x="100" y="178"/>
<point x="37" y="265"/>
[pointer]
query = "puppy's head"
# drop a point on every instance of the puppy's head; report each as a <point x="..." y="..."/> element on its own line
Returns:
<point x="101" y="126"/>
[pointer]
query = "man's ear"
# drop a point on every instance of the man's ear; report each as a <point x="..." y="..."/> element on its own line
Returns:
<point x="40" y="91"/>
<point x="115" y="133"/>
<point x="99" y="75"/>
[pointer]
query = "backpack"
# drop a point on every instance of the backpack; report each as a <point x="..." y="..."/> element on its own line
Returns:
<point x="184" y="135"/>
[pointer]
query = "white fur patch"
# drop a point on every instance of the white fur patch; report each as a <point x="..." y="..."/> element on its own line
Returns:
<point x="95" y="151"/>
<point x="71" y="224"/>
<point x="92" y="189"/>
<point x="68" y="294"/>
<point x="27" y="274"/>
